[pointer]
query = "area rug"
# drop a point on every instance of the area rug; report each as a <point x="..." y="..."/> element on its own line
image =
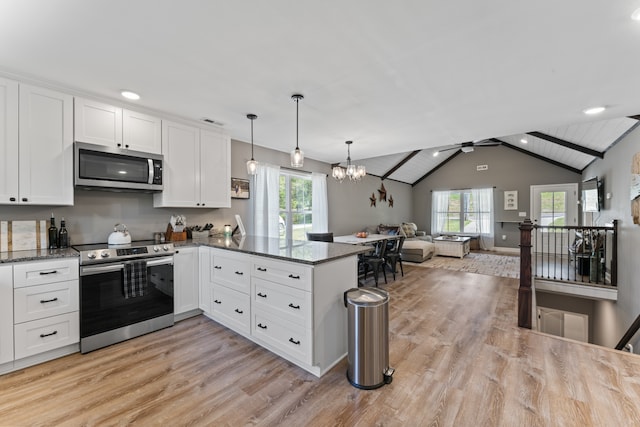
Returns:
<point x="481" y="263"/>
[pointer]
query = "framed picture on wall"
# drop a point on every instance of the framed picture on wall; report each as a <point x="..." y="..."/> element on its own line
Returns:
<point x="239" y="188"/>
<point x="511" y="200"/>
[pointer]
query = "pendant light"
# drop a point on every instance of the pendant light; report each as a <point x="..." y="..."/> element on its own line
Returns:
<point x="297" y="156"/>
<point x="252" y="165"/>
<point x="355" y="173"/>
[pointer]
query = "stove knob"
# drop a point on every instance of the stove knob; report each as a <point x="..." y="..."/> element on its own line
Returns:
<point x="91" y="255"/>
<point x="104" y="254"/>
<point x="165" y="248"/>
<point x="156" y="249"/>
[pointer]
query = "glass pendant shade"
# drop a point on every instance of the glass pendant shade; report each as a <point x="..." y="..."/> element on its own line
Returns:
<point x="297" y="156"/>
<point x="252" y="165"/>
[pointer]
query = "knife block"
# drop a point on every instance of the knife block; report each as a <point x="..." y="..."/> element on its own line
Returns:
<point x="173" y="236"/>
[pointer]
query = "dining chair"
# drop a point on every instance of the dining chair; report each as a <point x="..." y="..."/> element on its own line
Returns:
<point x="320" y="237"/>
<point x="375" y="262"/>
<point x="393" y="257"/>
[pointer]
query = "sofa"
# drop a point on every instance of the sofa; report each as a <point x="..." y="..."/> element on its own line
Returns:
<point x="417" y="247"/>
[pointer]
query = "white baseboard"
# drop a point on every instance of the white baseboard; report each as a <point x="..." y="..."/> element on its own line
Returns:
<point x="500" y="249"/>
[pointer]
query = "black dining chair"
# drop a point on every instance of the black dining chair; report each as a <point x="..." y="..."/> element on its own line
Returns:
<point x="394" y="257"/>
<point x="320" y="237"/>
<point x="375" y="262"/>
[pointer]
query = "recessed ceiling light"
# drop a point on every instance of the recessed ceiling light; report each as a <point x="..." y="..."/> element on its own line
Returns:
<point x="130" y="95"/>
<point x="636" y="15"/>
<point x="593" y="110"/>
<point x="524" y="140"/>
<point x="435" y="153"/>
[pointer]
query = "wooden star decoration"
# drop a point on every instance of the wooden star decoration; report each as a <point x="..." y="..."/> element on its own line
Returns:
<point x="390" y="201"/>
<point x="383" y="192"/>
<point x="372" y="199"/>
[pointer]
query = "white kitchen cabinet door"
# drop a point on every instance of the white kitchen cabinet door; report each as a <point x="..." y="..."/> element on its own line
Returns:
<point x="185" y="280"/>
<point x="8" y="141"/>
<point x="6" y="314"/>
<point x="141" y="132"/>
<point x="181" y="169"/>
<point x="205" y="279"/>
<point x="45" y="147"/>
<point x="215" y="174"/>
<point x="97" y="123"/>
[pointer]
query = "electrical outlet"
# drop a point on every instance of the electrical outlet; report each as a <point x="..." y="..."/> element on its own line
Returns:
<point x="522" y="214"/>
<point x="504" y="237"/>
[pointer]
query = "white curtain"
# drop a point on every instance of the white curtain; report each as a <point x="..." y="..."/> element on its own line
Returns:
<point x="267" y="201"/>
<point x="483" y="204"/>
<point x="439" y="208"/>
<point x="319" y="205"/>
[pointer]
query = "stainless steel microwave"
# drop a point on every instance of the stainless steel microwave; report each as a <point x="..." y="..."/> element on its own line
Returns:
<point x="116" y="169"/>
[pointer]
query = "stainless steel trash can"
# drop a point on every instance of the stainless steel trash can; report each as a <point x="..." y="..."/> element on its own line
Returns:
<point x="368" y="334"/>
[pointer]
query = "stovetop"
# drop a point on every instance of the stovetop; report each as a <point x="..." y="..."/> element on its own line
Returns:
<point x="103" y="252"/>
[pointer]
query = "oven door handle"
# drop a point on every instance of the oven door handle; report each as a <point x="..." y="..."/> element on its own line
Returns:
<point x="97" y="269"/>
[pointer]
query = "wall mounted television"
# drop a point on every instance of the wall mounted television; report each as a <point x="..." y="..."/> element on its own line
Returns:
<point x="593" y="195"/>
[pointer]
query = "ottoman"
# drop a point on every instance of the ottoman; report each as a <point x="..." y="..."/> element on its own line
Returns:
<point x="417" y="250"/>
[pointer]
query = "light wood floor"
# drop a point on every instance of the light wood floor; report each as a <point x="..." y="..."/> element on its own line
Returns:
<point x="459" y="358"/>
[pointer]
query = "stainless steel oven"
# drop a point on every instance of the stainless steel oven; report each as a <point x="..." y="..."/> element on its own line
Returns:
<point x="109" y="311"/>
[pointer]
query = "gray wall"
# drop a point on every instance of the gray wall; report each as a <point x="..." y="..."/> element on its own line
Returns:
<point x="94" y="213"/>
<point x="508" y="169"/>
<point x="613" y="318"/>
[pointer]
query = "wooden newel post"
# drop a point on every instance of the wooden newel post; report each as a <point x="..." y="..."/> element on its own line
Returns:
<point x="524" y="291"/>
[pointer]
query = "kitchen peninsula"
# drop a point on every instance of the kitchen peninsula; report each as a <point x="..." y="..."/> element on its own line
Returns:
<point x="285" y="295"/>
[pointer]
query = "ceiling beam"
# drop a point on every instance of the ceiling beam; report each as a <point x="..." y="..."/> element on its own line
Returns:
<point x="636" y="117"/>
<point x="444" y="162"/>
<point x="400" y="164"/>
<point x="567" y="144"/>
<point x="537" y="156"/>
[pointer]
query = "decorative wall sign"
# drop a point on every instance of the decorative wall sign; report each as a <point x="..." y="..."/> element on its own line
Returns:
<point x="511" y="200"/>
<point x="372" y="200"/>
<point x="383" y="192"/>
<point x="239" y="188"/>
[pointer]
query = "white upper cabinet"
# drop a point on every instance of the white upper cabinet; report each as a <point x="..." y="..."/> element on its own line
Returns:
<point x="8" y="141"/>
<point x="196" y="170"/>
<point x="104" y="124"/>
<point x="45" y="148"/>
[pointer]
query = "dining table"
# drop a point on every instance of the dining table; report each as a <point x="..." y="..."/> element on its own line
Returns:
<point x="370" y="239"/>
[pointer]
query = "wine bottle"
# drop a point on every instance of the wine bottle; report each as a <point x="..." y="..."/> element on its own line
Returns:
<point x="53" y="233"/>
<point x="63" y="235"/>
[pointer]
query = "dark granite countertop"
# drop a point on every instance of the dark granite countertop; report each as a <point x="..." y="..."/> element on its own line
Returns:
<point x="300" y="251"/>
<point x="37" y="255"/>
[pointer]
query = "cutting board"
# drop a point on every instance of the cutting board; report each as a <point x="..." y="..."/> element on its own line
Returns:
<point x="23" y="235"/>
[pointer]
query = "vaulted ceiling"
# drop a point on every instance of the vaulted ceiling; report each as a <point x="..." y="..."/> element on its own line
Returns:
<point x="394" y="77"/>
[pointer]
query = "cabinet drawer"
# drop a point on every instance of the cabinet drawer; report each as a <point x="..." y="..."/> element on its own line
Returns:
<point x="288" y="337"/>
<point x="286" y="273"/>
<point x="231" y="272"/>
<point x="38" y="302"/>
<point x="47" y="334"/>
<point x="289" y="303"/>
<point x="231" y="307"/>
<point x="41" y="272"/>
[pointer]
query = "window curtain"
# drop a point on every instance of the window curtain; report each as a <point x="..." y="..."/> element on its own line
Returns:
<point x="483" y="198"/>
<point x="267" y="201"/>
<point x="439" y="208"/>
<point x="319" y="205"/>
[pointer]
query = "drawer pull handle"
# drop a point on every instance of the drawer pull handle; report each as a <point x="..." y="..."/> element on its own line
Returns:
<point x="261" y="295"/>
<point x="217" y="301"/>
<point x="291" y="340"/>
<point x="262" y="269"/>
<point x="44" y="301"/>
<point x="291" y="276"/>
<point x="217" y="267"/>
<point x="239" y="273"/>
<point x="297" y="307"/>
<point x="261" y="326"/>
<point x="239" y="311"/>
<point x="43" y="273"/>
<point x="48" y="335"/>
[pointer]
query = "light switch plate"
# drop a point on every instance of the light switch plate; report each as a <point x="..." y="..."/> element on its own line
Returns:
<point x="522" y="214"/>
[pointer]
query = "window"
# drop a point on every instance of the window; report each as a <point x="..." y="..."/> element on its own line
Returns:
<point x="295" y="205"/>
<point x="462" y="211"/>
<point x="553" y="208"/>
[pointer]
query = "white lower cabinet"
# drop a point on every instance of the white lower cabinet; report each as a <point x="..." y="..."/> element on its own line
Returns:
<point x="46" y="304"/>
<point x="185" y="282"/>
<point x="6" y="314"/>
<point x="292" y="309"/>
